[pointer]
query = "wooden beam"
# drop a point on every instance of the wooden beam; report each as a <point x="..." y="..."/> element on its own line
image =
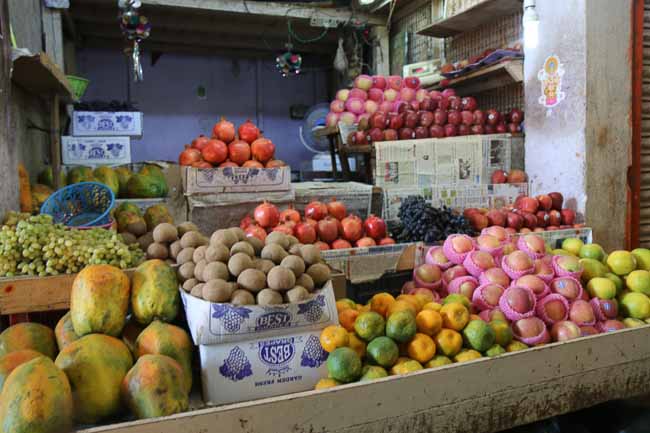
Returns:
<point x="381" y="50"/>
<point x="53" y="35"/>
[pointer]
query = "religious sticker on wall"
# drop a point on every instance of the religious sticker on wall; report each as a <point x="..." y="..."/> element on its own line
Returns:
<point x="550" y="77"/>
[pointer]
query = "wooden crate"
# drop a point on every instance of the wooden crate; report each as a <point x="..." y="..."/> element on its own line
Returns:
<point x="481" y="396"/>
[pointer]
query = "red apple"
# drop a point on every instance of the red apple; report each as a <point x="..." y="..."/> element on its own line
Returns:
<point x="477" y="129"/>
<point x="406" y="134"/>
<point x="463" y="129"/>
<point x="436" y="131"/>
<point x="515" y="221"/>
<point x="545" y="202"/>
<point x="568" y="216"/>
<point x="443" y="103"/>
<point x="467" y="117"/>
<point x="454" y="103"/>
<point x="501" y="128"/>
<point x="468" y="103"/>
<point x="528" y="204"/>
<point x="542" y="218"/>
<point x="390" y="135"/>
<point x="557" y="199"/>
<point x="493" y="117"/>
<point x="478" y="221"/>
<point x="454" y="117"/>
<point x="499" y="176"/>
<point x="451" y="130"/>
<point x="440" y="117"/>
<point x="554" y="218"/>
<point x="479" y="117"/>
<point x="496" y="218"/>
<point x="517" y="176"/>
<point x="530" y="220"/>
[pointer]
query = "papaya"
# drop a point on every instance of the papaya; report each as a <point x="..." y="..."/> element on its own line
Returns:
<point x="164" y="339"/>
<point x="28" y="335"/>
<point x="130" y="333"/>
<point x="99" y="300"/>
<point x="11" y="361"/>
<point x="153" y="170"/>
<point x="155" y="292"/>
<point x="36" y="398"/>
<point x="46" y="177"/>
<point x="143" y="186"/>
<point x="157" y="214"/>
<point x="40" y="193"/>
<point x="155" y="387"/>
<point x="128" y="207"/>
<point x="130" y="222"/>
<point x="108" y="177"/>
<point x="80" y="173"/>
<point x="95" y="365"/>
<point x="64" y="331"/>
<point x="123" y="176"/>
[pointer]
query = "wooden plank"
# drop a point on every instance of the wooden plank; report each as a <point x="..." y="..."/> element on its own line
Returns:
<point x="39" y="75"/>
<point x="324" y="132"/>
<point x="53" y="35"/>
<point x="472" y="17"/>
<point x="55" y="139"/>
<point x="489" y="77"/>
<point x="381" y="51"/>
<point x="481" y="396"/>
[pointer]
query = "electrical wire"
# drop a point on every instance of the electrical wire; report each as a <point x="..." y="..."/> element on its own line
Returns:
<point x="297" y="37"/>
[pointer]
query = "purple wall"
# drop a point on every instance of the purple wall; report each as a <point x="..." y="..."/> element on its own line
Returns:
<point x="174" y="114"/>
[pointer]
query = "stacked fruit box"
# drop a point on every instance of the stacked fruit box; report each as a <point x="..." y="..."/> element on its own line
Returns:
<point x="255" y="351"/>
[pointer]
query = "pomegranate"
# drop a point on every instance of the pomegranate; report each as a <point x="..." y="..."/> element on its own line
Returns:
<point x="276" y="163"/>
<point x="262" y="149"/>
<point x="365" y="242"/>
<point x="513" y="128"/>
<point x="341" y="244"/>
<point x="336" y="209"/>
<point x="429" y="104"/>
<point x="352" y="228"/>
<point x="305" y="232"/>
<point x="249" y="132"/>
<point x="479" y="117"/>
<point x="200" y="142"/>
<point x="201" y="164"/>
<point x="252" y="164"/>
<point x="387" y="241"/>
<point x="266" y="215"/>
<point x="501" y="128"/>
<point x="189" y="156"/>
<point x="284" y="228"/>
<point x="443" y="104"/>
<point x="239" y="152"/>
<point x="467" y="117"/>
<point x="316" y="210"/>
<point x="321" y="245"/>
<point x="256" y="231"/>
<point x="224" y="130"/>
<point x="328" y="229"/>
<point x="290" y="214"/>
<point x="454" y="103"/>
<point x="228" y="163"/>
<point x="463" y="129"/>
<point x="477" y="129"/>
<point x="245" y="222"/>
<point x="489" y="129"/>
<point x="375" y="227"/>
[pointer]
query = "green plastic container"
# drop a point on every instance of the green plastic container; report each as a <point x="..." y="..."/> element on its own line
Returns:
<point x="79" y="85"/>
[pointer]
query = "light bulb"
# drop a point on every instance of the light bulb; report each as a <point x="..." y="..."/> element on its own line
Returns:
<point x="530" y="21"/>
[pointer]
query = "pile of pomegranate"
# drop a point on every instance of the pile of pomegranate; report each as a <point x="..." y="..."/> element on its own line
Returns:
<point x="230" y="147"/>
<point x="527" y="214"/>
<point x="326" y="225"/>
<point x="392" y="108"/>
<point x="540" y="296"/>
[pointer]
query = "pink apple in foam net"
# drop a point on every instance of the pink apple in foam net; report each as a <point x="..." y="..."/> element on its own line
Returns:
<point x="370" y="106"/>
<point x="348" y="118"/>
<point x="498" y="232"/>
<point x="395" y="82"/>
<point x="518" y="261"/>
<point x="421" y="95"/>
<point x="386" y="106"/>
<point x="582" y="313"/>
<point x="528" y="328"/>
<point x="407" y="94"/>
<point x="343" y="94"/>
<point x="379" y="82"/>
<point x="519" y="299"/>
<point x="565" y="330"/>
<point x="496" y="276"/>
<point x="567" y="287"/>
<point x="535" y="243"/>
<point x="467" y="288"/>
<point x="363" y="82"/>
<point x="487" y="241"/>
<point x="391" y="95"/>
<point x="332" y="119"/>
<point x="531" y="282"/>
<point x="435" y="94"/>
<point x="483" y="260"/>
<point x="453" y="273"/>
<point x="448" y="92"/>
<point x="491" y="293"/>
<point x="412" y="82"/>
<point x="337" y="106"/>
<point x="359" y="94"/>
<point x="376" y="95"/>
<point x="543" y="268"/>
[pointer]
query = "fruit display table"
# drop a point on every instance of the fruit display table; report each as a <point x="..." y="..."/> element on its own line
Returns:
<point x="338" y="147"/>
<point x="485" y="395"/>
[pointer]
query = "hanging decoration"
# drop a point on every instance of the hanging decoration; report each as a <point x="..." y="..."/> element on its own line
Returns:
<point x="288" y="63"/>
<point x="550" y="78"/>
<point x="135" y="28"/>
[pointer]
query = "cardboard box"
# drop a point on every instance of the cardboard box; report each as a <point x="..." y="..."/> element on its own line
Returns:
<point x="356" y="196"/>
<point x="468" y="159"/>
<point x="102" y="123"/>
<point x="94" y="151"/>
<point x="213" y="323"/>
<point x="263" y="367"/>
<point x="235" y="180"/>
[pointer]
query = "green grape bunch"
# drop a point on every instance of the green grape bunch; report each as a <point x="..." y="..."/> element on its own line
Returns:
<point x="36" y="246"/>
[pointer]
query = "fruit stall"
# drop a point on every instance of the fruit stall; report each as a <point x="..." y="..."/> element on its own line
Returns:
<point x="360" y="229"/>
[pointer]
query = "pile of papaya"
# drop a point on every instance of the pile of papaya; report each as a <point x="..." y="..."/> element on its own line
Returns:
<point x="99" y="363"/>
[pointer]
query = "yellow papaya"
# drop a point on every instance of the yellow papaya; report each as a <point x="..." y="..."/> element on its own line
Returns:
<point x="28" y="335"/>
<point x="64" y="331"/>
<point x="155" y="292"/>
<point x="11" y="361"/>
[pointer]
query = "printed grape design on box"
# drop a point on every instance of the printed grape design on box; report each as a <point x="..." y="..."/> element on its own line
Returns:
<point x="236" y="366"/>
<point x="231" y="316"/>
<point x="312" y="310"/>
<point x="313" y="355"/>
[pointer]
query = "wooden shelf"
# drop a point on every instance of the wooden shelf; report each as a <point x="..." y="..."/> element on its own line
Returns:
<point x="473" y="17"/>
<point x="324" y="132"/>
<point x="489" y="77"/>
<point x="39" y="74"/>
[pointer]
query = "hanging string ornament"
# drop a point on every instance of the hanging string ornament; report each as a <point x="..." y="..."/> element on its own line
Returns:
<point x="135" y="28"/>
<point x="288" y="63"/>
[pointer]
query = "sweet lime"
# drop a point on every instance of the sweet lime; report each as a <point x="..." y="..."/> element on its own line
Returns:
<point x="592" y="251"/>
<point x="401" y="326"/>
<point x="602" y="288"/>
<point x="560" y="252"/>
<point x="437" y="361"/>
<point x="406" y="367"/>
<point x="495" y="350"/>
<point x="457" y="297"/>
<point x="638" y="281"/>
<point x="383" y="351"/>
<point x="642" y="256"/>
<point x="372" y="372"/>
<point x="369" y="325"/>
<point x="633" y="323"/>
<point x="635" y="305"/>
<point x="592" y="268"/>
<point x="618" y="282"/>
<point x="344" y="365"/>
<point x="502" y="332"/>
<point x="572" y="245"/>
<point x="467" y="355"/>
<point x="621" y="262"/>
<point x="478" y="335"/>
<point x="515" y="346"/>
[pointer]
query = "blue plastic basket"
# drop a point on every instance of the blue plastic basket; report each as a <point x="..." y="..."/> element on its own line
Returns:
<point x="83" y="204"/>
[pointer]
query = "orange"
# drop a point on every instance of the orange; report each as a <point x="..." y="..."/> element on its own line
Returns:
<point x="467" y="355"/>
<point x="435" y="306"/>
<point x="380" y="303"/>
<point x="448" y="342"/>
<point x="454" y="316"/>
<point x="327" y="383"/>
<point x="369" y="325"/>
<point x="406" y="367"/>
<point x="423" y="299"/>
<point x="401" y="305"/>
<point x="363" y="308"/>
<point x="422" y="348"/>
<point x="412" y="300"/>
<point x="344" y="304"/>
<point x="402" y="359"/>
<point x="428" y="322"/>
<point x="357" y="344"/>
<point x="333" y="337"/>
<point x="347" y="318"/>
